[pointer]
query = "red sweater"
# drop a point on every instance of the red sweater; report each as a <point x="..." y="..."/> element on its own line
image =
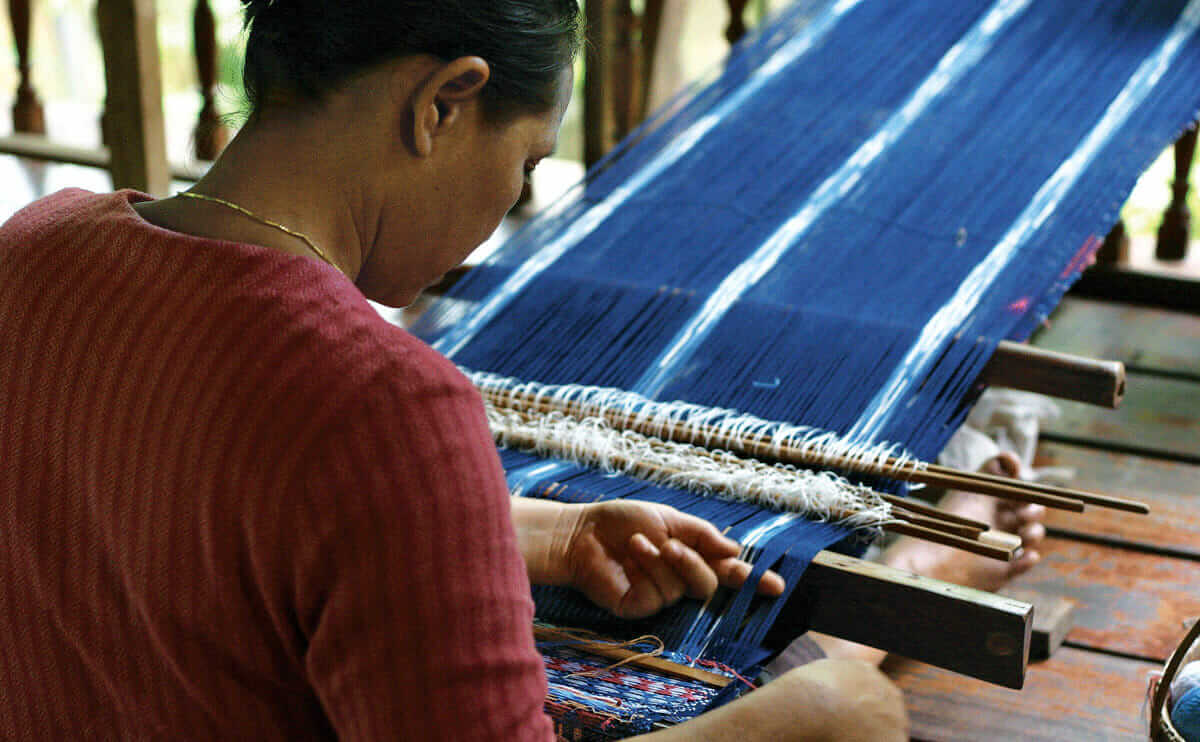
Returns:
<point x="237" y="504"/>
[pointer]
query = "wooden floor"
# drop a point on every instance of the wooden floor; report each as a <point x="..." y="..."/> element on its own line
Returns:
<point x="1135" y="580"/>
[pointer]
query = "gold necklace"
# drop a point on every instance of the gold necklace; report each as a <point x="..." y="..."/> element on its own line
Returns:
<point x="264" y="221"/>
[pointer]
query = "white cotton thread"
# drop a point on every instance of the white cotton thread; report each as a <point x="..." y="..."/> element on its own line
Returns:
<point x="705" y="426"/>
<point x="590" y="440"/>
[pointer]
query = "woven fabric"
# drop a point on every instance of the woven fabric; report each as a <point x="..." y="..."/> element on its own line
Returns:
<point x="839" y="226"/>
<point x="589" y="698"/>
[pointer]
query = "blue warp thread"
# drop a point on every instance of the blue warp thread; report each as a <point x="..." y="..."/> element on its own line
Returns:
<point x="902" y="153"/>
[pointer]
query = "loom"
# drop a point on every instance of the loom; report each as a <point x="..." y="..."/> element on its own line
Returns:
<point x="836" y="230"/>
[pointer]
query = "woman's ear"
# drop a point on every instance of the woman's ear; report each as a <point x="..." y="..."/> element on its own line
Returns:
<point x="440" y="99"/>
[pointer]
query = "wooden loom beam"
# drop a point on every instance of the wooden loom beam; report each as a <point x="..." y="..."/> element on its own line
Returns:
<point x="968" y="631"/>
<point x="976" y="633"/>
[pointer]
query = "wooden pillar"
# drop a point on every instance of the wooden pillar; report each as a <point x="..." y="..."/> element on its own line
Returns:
<point x="1115" y="250"/>
<point x="211" y="135"/>
<point x="133" y="117"/>
<point x="1174" y="231"/>
<point x="737" y="20"/>
<point x="27" y="112"/>
<point x="625" y="74"/>
<point x="597" y="94"/>
<point x="651" y="27"/>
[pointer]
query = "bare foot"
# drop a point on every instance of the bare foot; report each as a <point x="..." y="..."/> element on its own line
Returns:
<point x="962" y="568"/>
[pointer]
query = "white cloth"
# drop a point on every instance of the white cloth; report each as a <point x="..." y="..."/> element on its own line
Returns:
<point x="1004" y="420"/>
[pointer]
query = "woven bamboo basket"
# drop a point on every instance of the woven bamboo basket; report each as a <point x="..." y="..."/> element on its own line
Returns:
<point x="1161" y="729"/>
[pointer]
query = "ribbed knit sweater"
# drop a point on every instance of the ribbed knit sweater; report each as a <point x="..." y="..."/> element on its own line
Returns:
<point x="237" y="504"/>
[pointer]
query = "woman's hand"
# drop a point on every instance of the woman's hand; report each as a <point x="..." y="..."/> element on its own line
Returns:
<point x="632" y="558"/>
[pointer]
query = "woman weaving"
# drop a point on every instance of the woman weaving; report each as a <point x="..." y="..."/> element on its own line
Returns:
<point x="236" y="503"/>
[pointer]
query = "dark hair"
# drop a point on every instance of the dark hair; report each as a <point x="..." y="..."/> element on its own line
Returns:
<point x="305" y="48"/>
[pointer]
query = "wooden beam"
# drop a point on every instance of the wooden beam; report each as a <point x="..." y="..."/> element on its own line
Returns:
<point x="968" y="631"/>
<point x="37" y="147"/>
<point x="1061" y="375"/>
<point x="134" y="115"/>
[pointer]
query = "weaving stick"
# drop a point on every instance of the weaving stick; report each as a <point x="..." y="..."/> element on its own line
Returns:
<point x="925" y="508"/>
<point x="1089" y="498"/>
<point x="927" y="527"/>
<point x="761" y="447"/>
<point x="638" y="659"/>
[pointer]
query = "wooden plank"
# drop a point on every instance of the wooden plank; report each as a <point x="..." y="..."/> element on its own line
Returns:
<point x="1076" y="695"/>
<point x="1159" y="417"/>
<point x="1139" y="337"/>
<point x="133" y="109"/>
<point x="1126" y="601"/>
<point x="969" y="631"/>
<point x="1172" y="490"/>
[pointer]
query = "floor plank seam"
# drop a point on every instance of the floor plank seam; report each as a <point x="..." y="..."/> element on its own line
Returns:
<point x="1162" y="373"/>
<point x="1125" y="448"/>
<point x="1120" y="543"/>
<point x="1133" y="656"/>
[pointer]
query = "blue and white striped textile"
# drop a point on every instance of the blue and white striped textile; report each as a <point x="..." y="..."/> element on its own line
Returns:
<point x="835" y="230"/>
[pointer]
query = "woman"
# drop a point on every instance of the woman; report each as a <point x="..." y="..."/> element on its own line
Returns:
<point x="235" y="503"/>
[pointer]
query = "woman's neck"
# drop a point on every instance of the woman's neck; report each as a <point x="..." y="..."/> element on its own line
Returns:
<point x="262" y="172"/>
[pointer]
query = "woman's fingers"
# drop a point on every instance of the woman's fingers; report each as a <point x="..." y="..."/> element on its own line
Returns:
<point x="703" y="537"/>
<point x="733" y="573"/>
<point x="669" y="580"/>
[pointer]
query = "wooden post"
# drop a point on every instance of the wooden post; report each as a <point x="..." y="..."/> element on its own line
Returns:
<point x="651" y="27"/>
<point x="597" y="120"/>
<point x="1115" y="249"/>
<point x="1173" y="232"/>
<point x="133" y="118"/>
<point x="211" y="136"/>
<point x="625" y="70"/>
<point x="737" y="20"/>
<point x="27" y="112"/>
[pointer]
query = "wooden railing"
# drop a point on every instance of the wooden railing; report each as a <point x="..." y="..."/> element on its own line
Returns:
<point x="132" y="125"/>
<point x="618" y="72"/>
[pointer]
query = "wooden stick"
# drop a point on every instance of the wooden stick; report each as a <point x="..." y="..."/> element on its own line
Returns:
<point x="1090" y="498"/>
<point x="761" y="447"/>
<point x="1061" y="375"/>
<point x="941" y="525"/>
<point x="949" y="539"/>
<point x="925" y="508"/>
<point x="638" y="659"/>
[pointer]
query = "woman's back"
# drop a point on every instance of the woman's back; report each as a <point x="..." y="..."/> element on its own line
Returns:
<point x="200" y="440"/>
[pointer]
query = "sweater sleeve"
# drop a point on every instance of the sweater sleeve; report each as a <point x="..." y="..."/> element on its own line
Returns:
<point x="414" y="597"/>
